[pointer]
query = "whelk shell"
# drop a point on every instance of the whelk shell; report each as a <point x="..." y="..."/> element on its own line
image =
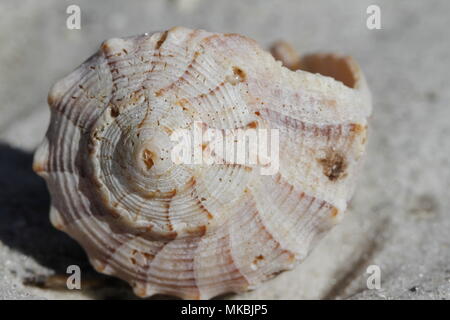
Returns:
<point x="197" y="230"/>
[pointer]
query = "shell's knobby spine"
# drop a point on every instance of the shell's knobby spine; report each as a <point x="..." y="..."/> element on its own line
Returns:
<point x="197" y="231"/>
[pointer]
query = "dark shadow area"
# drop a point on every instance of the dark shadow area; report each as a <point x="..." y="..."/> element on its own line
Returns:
<point x="25" y="227"/>
<point x="344" y="278"/>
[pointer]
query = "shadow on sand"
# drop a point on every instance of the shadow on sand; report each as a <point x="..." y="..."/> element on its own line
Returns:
<point x="25" y="227"/>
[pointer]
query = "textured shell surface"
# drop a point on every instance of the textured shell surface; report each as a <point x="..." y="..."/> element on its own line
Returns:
<point x="198" y="230"/>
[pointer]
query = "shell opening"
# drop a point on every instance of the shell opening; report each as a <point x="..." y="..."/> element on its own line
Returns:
<point x="342" y="69"/>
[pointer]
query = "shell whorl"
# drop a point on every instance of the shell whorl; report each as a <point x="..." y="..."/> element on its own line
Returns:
<point x="199" y="230"/>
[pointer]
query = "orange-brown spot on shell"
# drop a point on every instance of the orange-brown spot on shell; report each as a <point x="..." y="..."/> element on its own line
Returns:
<point x="114" y="112"/>
<point x="239" y="38"/>
<point x="144" y="119"/>
<point x="211" y="38"/>
<point x="252" y="125"/>
<point x="198" y="231"/>
<point x="143" y="257"/>
<point x="140" y="292"/>
<point x="168" y="130"/>
<point x="334" y="212"/>
<point x="58" y="226"/>
<point x="136" y="96"/>
<point x="334" y="165"/>
<point x="167" y="207"/>
<point x="290" y="255"/>
<point x="99" y="266"/>
<point x="52" y="99"/>
<point x="239" y="73"/>
<point x="182" y="103"/>
<point x="161" y="40"/>
<point x="360" y="130"/>
<point x="208" y="214"/>
<point x="160" y="194"/>
<point x="105" y="46"/>
<point x="170" y="235"/>
<point x="145" y="229"/>
<point x="148" y="255"/>
<point x="191" y="182"/>
<point x="357" y="128"/>
<point x="147" y="156"/>
<point x="258" y="259"/>
<point x="39" y="167"/>
<point x="238" y="76"/>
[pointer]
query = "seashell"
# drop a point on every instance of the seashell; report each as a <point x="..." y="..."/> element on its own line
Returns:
<point x="200" y="230"/>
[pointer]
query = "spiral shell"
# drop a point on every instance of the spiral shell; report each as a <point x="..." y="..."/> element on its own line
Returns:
<point x="197" y="230"/>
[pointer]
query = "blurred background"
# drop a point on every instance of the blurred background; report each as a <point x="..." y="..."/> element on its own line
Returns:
<point x="399" y="219"/>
